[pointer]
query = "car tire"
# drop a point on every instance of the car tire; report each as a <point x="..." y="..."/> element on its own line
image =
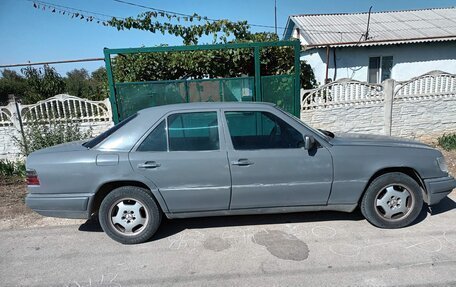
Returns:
<point x="392" y="200"/>
<point x="129" y="215"/>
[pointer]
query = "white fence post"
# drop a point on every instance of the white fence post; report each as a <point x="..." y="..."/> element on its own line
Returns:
<point x="388" y="91"/>
<point x="107" y="103"/>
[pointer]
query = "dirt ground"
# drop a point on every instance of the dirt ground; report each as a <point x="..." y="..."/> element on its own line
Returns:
<point x="450" y="157"/>
<point x="14" y="213"/>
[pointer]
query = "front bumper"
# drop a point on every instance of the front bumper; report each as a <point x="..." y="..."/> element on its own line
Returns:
<point x="438" y="188"/>
<point x="59" y="205"/>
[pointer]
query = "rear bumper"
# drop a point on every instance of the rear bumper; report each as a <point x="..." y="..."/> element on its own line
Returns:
<point x="438" y="188"/>
<point x="59" y="205"/>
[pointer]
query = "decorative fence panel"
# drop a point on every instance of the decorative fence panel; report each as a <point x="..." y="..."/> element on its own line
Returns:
<point x="423" y="107"/>
<point x="432" y="84"/>
<point x="5" y="117"/>
<point x="94" y="115"/>
<point x="68" y="108"/>
<point x="341" y="93"/>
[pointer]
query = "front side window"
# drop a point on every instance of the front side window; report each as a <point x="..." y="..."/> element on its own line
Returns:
<point x="261" y="130"/>
<point x="193" y="131"/>
<point x="380" y="69"/>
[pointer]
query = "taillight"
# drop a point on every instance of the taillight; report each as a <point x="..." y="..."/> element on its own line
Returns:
<point x="32" y="177"/>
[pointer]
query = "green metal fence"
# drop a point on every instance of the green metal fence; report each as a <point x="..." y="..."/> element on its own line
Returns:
<point x="283" y="90"/>
<point x="280" y="90"/>
<point x="135" y="96"/>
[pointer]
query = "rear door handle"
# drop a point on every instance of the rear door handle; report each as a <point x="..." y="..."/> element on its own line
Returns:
<point x="242" y="162"/>
<point x="148" y="164"/>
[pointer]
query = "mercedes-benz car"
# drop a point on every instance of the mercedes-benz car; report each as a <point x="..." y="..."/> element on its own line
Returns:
<point x="212" y="159"/>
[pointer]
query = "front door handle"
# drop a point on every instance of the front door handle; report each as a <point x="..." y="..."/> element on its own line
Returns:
<point x="148" y="164"/>
<point x="242" y="162"/>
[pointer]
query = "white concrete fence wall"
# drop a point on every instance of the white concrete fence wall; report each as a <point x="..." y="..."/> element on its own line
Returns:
<point x="422" y="108"/>
<point x="94" y="115"/>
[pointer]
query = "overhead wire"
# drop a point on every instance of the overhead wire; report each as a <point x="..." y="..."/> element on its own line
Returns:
<point x="73" y="10"/>
<point x="212" y="19"/>
<point x="109" y="17"/>
<point x="186" y="15"/>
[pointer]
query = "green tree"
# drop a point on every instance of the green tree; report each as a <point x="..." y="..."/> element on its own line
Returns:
<point x="93" y="87"/>
<point x="77" y="83"/>
<point x="41" y="135"/>
<point x="42" y="83"/>
<point x="212" y="63"/>
<point x="196" y="64"/>
<point x="221" y="29"/>
<point x="11" y="82"/>
<point x="99" y="84"/>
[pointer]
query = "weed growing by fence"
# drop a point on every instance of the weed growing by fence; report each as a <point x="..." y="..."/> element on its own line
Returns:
<point x="12" y="168"/>
<point x="42" y="135"/>
<point x="447" y="141"/>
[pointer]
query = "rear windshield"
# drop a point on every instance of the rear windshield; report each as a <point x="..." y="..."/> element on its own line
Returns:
<point x="93" y="142"/>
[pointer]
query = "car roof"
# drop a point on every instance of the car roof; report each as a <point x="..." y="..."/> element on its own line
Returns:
<point x="126" y="137"/>
<point x="205" y="105"/>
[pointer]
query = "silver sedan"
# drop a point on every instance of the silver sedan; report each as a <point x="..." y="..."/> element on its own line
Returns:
<point x="211" y="159"/>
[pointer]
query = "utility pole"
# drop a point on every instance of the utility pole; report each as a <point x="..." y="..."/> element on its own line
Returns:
<point x="366" y="35"/>
<point x="275" y="16"/>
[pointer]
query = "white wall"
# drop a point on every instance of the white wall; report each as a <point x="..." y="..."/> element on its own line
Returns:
<point x="367" y="119"/>
<point x="409" y="60"/>
<point x="423" y="119"/>
<point x="9" y="148"/>
<point x="424" y="108"/>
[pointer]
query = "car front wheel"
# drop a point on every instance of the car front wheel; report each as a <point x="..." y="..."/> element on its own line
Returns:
<point x="129" y="215"/>
<point x="392" y="200"/>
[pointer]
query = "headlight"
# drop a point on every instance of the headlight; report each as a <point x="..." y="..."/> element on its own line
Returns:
<point x="442" y="164"/>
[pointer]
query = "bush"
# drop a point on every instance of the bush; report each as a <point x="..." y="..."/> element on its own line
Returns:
<point x="447" y="141"/>
<point x="11" y="168"/>
<point x="42" y="135"/>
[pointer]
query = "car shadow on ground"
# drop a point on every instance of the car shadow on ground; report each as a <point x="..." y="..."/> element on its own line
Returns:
<point x="445" y="205"/>
<point x="175" y="226"/>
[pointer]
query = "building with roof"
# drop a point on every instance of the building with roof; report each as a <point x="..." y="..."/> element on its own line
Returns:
<point x="376" y="46"/>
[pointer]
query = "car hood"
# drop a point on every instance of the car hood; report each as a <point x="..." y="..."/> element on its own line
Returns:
<point x="71" y="146"/>
<point x="375" y="140"/>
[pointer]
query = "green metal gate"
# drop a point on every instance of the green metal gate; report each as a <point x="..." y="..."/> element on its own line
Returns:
<point x="139" y="95"/>
<point x="128" y="97"/>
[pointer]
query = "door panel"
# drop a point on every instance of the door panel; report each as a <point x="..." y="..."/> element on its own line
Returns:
<point x="185" y="159"/>
<point x="282" y="177"/>
<point x="188" y="181"/>
<point x="269" y="167"/>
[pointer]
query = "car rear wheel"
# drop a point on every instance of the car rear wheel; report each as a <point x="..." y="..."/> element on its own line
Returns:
<point x="392" y="200"/>
<point x="129" y="215"/>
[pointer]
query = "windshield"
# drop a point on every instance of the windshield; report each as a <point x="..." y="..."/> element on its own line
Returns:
<point x="101" y="137"/>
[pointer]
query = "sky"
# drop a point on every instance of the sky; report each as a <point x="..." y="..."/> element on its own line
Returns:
<point x="29" y="34"/>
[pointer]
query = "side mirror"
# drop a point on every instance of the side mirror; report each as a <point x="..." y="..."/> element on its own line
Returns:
<point x="309" y="142"/>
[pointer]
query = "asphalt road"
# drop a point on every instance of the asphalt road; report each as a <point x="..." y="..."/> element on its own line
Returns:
<point x="309" y="249"/>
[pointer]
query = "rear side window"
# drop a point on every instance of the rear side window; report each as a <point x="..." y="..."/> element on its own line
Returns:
<point x="193" y="131"/>
<point x="261" y="130"/>
<point x="101" y="137"/>
<point x="156" y="140"/>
